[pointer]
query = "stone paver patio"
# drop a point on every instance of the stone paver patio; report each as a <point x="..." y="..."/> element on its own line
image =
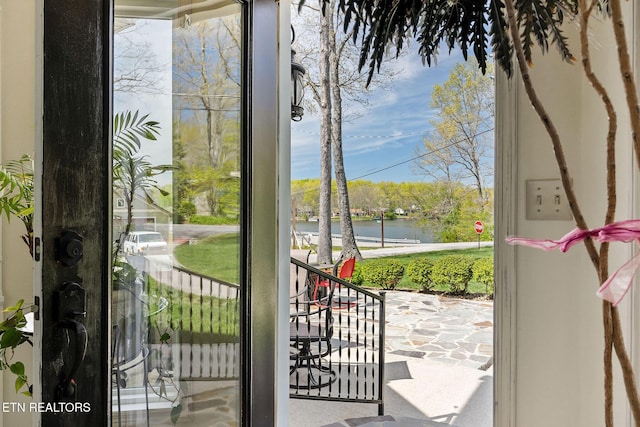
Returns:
<point x="454" y="331"/>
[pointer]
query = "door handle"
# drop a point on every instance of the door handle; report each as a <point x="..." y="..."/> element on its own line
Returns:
<point x="70" y="304"/>
<point x="67" y="387"/>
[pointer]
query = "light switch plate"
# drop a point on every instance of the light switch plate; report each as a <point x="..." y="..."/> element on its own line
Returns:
<point x="546" y="200"/>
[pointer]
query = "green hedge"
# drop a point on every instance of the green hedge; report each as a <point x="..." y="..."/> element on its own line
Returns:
<point x="419" y="272"/>
<point x="483" y="272"/>
<point x="385" y="273"/>
<point x="454" y="272"/>
<point x="357" y="278"/>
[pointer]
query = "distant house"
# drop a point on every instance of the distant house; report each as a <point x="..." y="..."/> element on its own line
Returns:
<point x="147" y="215"/>
<point x="400" y="212"/>
<point x="304" y="211"/>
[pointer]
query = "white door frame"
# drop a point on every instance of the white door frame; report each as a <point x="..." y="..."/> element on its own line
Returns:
<point x="505" y="220"/>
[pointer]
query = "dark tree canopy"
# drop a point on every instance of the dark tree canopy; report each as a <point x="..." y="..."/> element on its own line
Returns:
<point x="476" y="26"/>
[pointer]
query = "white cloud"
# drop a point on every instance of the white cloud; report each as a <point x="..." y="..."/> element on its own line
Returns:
<point x="387" y="131"/>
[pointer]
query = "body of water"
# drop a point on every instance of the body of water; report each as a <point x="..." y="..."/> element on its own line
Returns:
<point x="393" y="229"/>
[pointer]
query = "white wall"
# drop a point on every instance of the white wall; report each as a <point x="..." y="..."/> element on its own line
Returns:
<point x="17" y="126"/>
<point x="558" y="370"/>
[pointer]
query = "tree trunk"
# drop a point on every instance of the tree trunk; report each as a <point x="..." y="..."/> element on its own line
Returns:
<point x="349" y="246"/>
<point x="210" y="142"/>
<point x="324" y="216"/>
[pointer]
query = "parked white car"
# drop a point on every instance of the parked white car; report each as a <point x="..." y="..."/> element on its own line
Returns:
<point x="144" y="243"/>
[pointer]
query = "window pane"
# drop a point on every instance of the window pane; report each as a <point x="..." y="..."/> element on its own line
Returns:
<point x="176" y="211"/>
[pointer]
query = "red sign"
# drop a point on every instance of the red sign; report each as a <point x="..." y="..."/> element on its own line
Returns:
<point x="479" y="227"/>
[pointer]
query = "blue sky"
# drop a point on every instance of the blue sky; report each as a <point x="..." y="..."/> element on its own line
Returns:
<point x="387" y="133"/>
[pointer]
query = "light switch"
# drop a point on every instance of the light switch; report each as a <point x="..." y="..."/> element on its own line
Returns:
<point x="546" y="200"/>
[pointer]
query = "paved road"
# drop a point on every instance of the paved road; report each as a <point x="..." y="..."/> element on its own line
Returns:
<point x="183" y="232"/>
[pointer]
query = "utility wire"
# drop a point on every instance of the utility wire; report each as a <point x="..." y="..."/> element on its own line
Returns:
<point x="419" y="156"/>
<point x="401" y="135"/>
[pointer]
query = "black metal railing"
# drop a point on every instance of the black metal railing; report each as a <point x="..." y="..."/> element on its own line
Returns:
<point x="201" y="316"/>
<point x="337" y="350"/>
<point x="202" y="320"/>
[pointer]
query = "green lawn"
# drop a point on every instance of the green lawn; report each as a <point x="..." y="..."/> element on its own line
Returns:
<point x="216" y="256"/>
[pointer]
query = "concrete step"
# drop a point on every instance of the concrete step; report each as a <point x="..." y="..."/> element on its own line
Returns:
<point x="134" y="399"/>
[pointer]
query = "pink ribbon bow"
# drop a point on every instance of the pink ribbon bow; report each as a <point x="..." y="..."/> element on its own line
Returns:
<point x="619" y="283"/>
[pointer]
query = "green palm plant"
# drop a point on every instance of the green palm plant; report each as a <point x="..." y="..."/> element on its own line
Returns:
<point x="16" y="194"/>
<point x="129" y="131"/>
<point x="134" y="175"/>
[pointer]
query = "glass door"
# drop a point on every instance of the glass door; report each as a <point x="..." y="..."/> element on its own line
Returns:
<point x="177" y="192"/>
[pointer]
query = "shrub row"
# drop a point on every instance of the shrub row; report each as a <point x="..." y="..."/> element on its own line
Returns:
<point x="384" y="273"/>
<point x="451" y="273"/>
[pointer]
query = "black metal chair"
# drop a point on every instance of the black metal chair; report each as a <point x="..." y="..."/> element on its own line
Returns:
<point x="310" y="332"/>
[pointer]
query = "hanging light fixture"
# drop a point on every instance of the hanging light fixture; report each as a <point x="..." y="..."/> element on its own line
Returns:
<point x="297" y="85"/>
